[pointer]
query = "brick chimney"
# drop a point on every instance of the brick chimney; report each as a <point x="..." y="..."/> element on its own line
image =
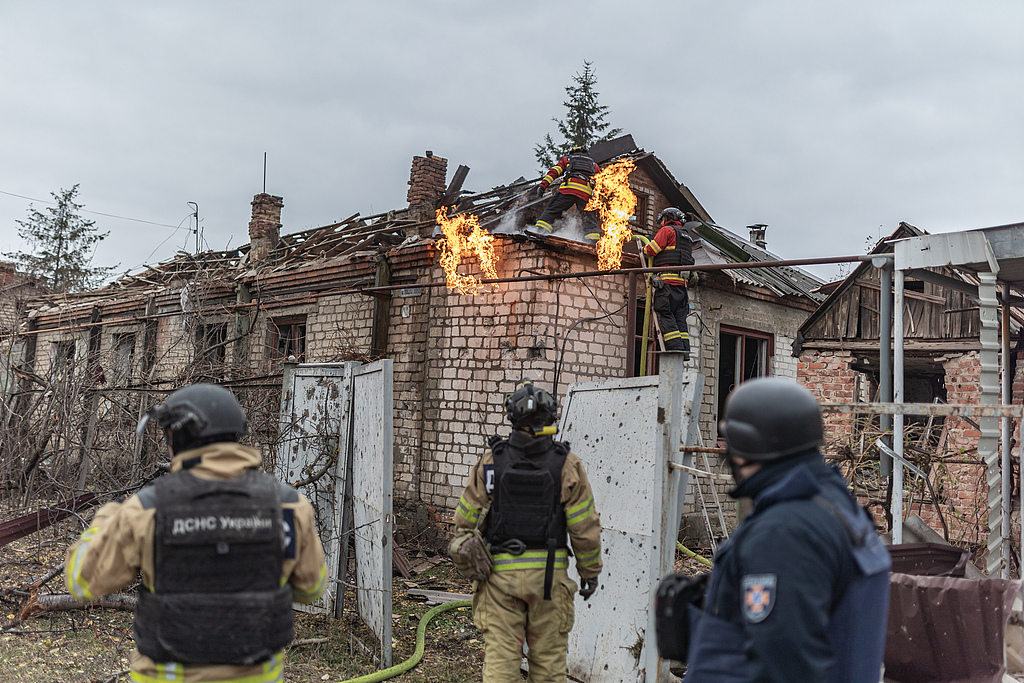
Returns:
<point x="426" y="186"/>
<point x="265" y="226"/>
<point x="757" y="234"/>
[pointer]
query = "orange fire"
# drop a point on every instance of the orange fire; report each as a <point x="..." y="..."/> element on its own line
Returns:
<point x="464" y="236"/>
<point x="616" y="203"/>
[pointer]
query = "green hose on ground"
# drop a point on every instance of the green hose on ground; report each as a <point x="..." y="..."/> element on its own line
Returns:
<point x="689" y="553"/>
<point x="421" y="634"/>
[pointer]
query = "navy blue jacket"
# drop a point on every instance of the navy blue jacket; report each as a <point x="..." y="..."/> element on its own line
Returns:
<point x="800" y="592"/>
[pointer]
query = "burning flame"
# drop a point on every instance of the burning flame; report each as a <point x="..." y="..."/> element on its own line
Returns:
<point x="616" y="203"/>
<point x="464" y="236"/>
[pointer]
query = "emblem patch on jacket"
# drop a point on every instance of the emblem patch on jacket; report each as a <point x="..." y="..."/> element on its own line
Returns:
<point x="758" y="596"/>
<point x="489" y="479"/>
<point x="288" y="529"/>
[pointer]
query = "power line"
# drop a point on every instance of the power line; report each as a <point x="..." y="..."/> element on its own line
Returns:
<point x="98" y="213"/>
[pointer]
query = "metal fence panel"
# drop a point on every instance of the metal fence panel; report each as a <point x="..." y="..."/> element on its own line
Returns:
<point x="372" y="483"/>
<point x="315" y="402"/>
<point x="621" y="431"/>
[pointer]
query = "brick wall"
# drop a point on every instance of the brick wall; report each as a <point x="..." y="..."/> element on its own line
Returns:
<point x="265" y="225"/>
<point x="426" y="186"/>
<point x="828" y="375"/>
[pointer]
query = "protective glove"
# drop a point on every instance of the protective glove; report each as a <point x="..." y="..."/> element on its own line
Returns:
<point x="536" y="191"/>
<point x="471" y="557"/>
<point x="587" y="587"/>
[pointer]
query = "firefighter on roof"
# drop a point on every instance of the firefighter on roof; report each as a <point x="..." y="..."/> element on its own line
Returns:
<point x="539" y="501"/>
<point x="223" y="550"/>
<point x="672" y="246"/>
<point x="578" y="169"/>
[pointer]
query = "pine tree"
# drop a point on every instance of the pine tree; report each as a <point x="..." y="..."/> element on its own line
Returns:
<point x="584" y="124"/>
<point x="61" y="244"/>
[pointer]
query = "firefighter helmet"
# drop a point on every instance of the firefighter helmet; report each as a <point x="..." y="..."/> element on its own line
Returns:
<point x="672" y="214"/>
<point x="198" y="414"/>
<point x="530" y="407"/>
<point x="578" y="149"/>
<point x="771" y="418"/>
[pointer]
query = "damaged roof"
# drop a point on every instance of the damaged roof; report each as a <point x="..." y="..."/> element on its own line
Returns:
<point x="502" y="210"/>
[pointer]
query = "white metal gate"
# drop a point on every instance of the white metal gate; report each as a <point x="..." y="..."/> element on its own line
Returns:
<point x="626" y="432"/>
<point x="336" y="434"/>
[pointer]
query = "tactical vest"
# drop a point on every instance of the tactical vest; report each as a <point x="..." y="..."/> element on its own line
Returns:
<point x="218" y="550"/>
<point x="857" y="624"/>
<point x="682" y="255"/>
<point x="580" y="165"/>
<point x="526" y="500"/>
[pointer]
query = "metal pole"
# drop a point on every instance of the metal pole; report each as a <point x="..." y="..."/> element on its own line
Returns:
<point x="885" y="356"/>
<point x="1006" y="465"/>
<point x="897" y="431"/>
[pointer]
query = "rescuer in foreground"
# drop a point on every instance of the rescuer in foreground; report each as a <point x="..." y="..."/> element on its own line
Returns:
<point x="672" y="246"/>
<point x="800" y="592"/>
<point x="576" y="190"/>
<point x="223" y="550"/>
<point x="516" y="551"/>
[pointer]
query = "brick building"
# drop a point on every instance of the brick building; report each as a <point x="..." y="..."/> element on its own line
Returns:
<point x="838" y="359"/>
<point x="371" y="286"/>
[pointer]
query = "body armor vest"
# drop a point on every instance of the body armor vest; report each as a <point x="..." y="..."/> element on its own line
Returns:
<point x="581" y="165"/>
<point x="526" y="501"/>
<point x="682" y="255"/>
<point x="218" y="550"/>
<point x="856" y="630"/>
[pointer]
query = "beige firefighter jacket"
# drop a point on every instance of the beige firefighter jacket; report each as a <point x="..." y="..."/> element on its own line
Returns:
<point x="581" y="516"/>
<point x="118" y="545"/>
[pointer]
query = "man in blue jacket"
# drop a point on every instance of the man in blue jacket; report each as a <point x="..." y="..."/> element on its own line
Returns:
<point x="800" y="592"/>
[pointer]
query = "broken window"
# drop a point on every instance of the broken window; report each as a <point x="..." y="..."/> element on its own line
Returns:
<point x="288" y="338"/>
<point x="123" y="354"/>
<point x="211" y="342"/>
<point x="643" y="221"/>
<point x="742" y="355"/>
<point x="62" y="359"/>
<point x="8" y="376"/>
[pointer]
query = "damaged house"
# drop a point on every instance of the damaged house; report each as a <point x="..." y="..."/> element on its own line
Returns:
<point x="838" y="354"/>
<point x="372" y="286"/>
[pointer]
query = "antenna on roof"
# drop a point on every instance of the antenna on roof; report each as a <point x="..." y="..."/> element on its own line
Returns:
<point x="264" y="173"/>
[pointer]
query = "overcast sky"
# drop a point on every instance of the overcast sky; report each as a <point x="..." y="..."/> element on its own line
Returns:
<point x="830" y="122"/>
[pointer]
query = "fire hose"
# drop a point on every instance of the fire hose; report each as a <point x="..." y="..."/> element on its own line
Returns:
<point x="417" y="655"/>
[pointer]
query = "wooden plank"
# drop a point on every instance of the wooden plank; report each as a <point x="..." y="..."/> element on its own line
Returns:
<point x="437" y="596"/>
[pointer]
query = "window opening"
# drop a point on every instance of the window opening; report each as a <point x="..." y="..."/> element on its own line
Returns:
<point x="742" y="355"/>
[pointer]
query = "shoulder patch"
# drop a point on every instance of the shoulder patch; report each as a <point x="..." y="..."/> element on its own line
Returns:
<point x="288" y="532"/>
<point x="489" y="479"/>
<point x="758" y="596"/>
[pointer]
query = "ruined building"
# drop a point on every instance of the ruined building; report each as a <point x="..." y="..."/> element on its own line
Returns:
<point x="371" y="286"/>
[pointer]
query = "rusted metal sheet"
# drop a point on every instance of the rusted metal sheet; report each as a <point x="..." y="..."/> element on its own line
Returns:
<point x="944" y="630"/>
<point x="19" y="527"/>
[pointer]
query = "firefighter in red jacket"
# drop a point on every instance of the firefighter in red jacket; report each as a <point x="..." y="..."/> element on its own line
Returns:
<point x="576" y="189"/>
<point x="672" y="246"/>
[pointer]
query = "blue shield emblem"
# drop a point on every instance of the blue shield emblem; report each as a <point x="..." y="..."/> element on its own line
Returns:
<point x="758" y="596"/>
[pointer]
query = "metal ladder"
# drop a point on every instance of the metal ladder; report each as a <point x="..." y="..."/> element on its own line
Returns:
<point x="716" y="503"/>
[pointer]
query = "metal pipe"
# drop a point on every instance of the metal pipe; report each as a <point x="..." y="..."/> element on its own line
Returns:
<point x="896" y="507"/>
<point x="1007" y="391"/>
<point x="885" y="357"/>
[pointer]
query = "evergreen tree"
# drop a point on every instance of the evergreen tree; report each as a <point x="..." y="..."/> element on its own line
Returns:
<point x="584" y="124"/>
<point x="61" y="244"/>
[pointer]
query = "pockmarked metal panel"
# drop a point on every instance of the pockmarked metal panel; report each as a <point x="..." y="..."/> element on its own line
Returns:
<point x="627" y="432"/>
<point x="612" y="427"/>
<point x="372" y="483"/>
<point x="315" y="401"/>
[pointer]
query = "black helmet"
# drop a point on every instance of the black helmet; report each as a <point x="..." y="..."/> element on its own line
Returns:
<point x="530" y="407"/>
<point x="672" y="214"/>
<point x="198" y="414"/>
<point x="578" y="149"/>
<point x="770" y="419"/>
